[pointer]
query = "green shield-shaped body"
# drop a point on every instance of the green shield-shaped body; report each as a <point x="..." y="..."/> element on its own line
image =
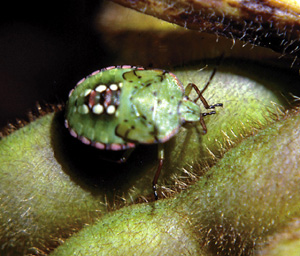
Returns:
<point x="118" y="107"/>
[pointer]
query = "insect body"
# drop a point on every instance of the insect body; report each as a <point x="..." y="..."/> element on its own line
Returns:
<point x="118" y="107"/>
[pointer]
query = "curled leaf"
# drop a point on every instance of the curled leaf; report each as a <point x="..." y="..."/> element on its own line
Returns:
<point x="273" y="24"/>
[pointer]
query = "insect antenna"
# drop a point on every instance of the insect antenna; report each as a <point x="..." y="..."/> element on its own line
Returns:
<point x="207" y="84"/>
<point x="210" y="79"/>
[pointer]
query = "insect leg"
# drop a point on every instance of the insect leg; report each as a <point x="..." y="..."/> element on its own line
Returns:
<point x="200" y="93"/>
<point x="204" y="89"/>
<point x="126" y="155"/>
<point x="200" y="96"/>
<point x="203" y="124"/>
<point x="160" y="164"/>
<point x="202" y="120"/>
<point x="191" y="86"/>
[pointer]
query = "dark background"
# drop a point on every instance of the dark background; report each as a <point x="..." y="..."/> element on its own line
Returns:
<point x="45" y="48"/>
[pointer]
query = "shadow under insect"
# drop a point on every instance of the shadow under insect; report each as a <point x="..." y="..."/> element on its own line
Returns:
<point x="98" y="171"/>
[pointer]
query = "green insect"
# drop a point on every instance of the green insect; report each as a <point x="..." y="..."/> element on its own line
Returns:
<point x="118" y="107"/>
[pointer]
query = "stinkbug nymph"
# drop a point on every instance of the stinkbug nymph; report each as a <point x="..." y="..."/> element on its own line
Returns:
<point x="118" y="107"/>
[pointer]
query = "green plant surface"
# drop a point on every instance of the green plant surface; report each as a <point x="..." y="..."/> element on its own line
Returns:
<point x="39" y="199"/>
<point x="246" y="196"/>
<point x="227" y="192"/>
<point x="285" y="242"/>
<point x="52" y="184"/>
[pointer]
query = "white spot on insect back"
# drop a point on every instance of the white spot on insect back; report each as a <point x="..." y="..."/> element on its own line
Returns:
<point x="113" y="87"/>
<point x="101" y="88"/>
<point x="98" y="109"/>
<point x="83" y="109"/>
<point x="120" y="85"/>
<point x="111" y="109"/>
<point x="87" y="92"/>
